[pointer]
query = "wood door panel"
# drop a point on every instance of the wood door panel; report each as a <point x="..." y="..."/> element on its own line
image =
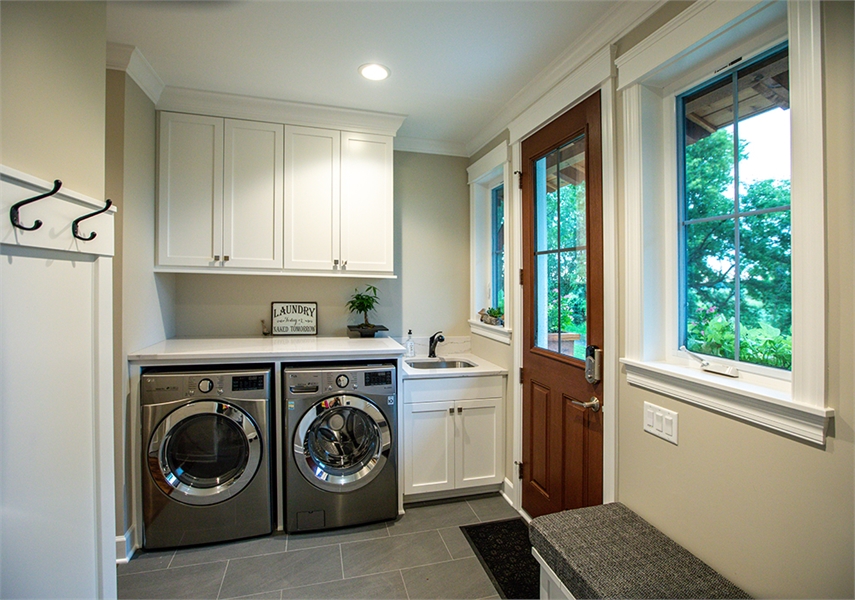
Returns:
<point x="562" y="442"/>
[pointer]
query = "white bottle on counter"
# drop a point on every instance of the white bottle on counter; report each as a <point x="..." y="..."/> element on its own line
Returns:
<point x="409" y="344"/>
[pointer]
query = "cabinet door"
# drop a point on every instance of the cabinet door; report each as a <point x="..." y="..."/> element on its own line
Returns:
<point x="253" y="195"/>
<point x="479" y="442"/>
<point x="429" y="447"/>
<point x="190" y="190"/>
<point x="367" y="218"/>
<point x="312" y="198"/>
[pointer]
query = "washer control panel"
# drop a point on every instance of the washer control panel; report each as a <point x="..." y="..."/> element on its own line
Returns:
<point x="380" y="379"/>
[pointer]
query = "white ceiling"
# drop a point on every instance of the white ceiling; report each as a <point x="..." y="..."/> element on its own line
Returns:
<point x="455" y="65"/>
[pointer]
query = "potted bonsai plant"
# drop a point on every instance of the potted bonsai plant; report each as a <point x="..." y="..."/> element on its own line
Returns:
<point x="363" y="303"/>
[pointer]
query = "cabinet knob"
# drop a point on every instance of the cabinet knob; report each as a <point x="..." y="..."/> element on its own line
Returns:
<point x="216" y="257"/>
<point x="335" y="263"/>
<point x="226" y="258"/>
<point x="459" y="409"/>
<point x="451" y="410"/>
<point x="344" y="264"/>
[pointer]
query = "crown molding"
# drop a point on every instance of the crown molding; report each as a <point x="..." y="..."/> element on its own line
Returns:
<point x="216" y="104"/>
<point x="424" y="146"/>
<point x="122" y="57"/>
<point x="612" y="26"/>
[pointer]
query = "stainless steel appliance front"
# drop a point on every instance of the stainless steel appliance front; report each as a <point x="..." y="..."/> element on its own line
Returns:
<point x="206" y="456"/>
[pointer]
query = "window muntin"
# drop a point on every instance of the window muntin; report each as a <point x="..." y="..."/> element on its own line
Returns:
<point x="561" y="250"/>
<point x="498" y="247"/>
<point x="734" y="180"/>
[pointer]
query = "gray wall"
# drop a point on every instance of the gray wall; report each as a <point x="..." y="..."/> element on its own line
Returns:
<point x="773" y="514"/>
<point x="431" y="264"/>
<point x="143" y="302"/>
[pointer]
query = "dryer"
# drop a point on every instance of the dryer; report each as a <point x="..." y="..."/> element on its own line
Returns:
<point x="206" y="441"/>
<point x="341" y="457"/>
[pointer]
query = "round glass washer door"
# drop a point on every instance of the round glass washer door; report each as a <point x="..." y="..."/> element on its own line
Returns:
<point x="204" y="452"/>
<point x="342" y="443"/>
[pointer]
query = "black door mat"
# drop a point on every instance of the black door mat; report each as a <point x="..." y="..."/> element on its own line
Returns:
<point x="504" y="550"/>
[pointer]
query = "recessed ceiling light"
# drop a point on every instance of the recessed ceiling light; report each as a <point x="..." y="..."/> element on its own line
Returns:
<point x="374" y="72"/>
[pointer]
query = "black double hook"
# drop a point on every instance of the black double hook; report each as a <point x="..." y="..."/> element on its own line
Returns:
<point x="76" y="222"/>
<point x="13" y="212"/>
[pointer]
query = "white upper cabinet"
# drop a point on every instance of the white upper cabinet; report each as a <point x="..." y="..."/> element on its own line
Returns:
<point x="252" y="195"/>
<point x="220" y="189"/>
<point x="312" y="198"/>
<point x="338" y="201"/>
<point x="366" y="203"/>
<point x="190" y="190"/>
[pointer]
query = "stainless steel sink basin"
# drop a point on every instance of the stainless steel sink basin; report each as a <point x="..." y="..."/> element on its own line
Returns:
<point x="429" y="363"/>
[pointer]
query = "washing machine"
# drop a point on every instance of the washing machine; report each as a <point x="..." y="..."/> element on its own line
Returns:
<point x="206" y="437"/>
<point x="341" y="458"/>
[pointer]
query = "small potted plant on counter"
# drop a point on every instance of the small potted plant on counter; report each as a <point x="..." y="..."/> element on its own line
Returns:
<point x="363" y="303"/>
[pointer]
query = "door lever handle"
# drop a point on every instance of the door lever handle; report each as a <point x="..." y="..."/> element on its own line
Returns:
<point x="594" y="404"/>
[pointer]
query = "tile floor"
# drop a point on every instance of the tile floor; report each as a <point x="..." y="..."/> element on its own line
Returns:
<point x="422" y="554"/>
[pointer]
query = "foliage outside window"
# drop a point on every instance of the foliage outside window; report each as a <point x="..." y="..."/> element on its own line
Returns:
<point x="498" y="248"/>
<point x="736" y="285"/>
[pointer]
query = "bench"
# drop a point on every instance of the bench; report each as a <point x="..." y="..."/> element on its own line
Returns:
<point x="608" y="551"/>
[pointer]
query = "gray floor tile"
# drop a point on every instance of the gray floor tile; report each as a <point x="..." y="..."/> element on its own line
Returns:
<point x="464" y="578"/>
<point x="146" y="561"/>
<point x="270" y="572"/>
<point x="240" y="549"/>
<point x="492" y="508"/>
<point x="275" y="595"/>
<point x="456" y="542"/>
<point x="433" y="516"/>
<point x="198" y="581"/>
<point x="380" y="587"/>
<point x="397" y="552"/>
<point x="300" y="541"/>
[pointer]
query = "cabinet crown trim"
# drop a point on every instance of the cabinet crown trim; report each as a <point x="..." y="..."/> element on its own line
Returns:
<point x="234" y="106"/>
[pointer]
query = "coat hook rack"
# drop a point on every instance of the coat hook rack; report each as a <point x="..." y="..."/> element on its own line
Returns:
<point x="13" y="212"/>
<point x="74" y="224"/>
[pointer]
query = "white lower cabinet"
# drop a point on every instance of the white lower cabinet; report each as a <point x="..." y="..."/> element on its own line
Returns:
<point x="453" y="433"/>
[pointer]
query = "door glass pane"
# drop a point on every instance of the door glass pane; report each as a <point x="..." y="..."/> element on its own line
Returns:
<point x="560" y="250"/>
<point x="207" y="450"/>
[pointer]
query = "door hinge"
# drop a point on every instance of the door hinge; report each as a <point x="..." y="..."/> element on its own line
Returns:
<point x="521" y="373"/>
<point x="522" y="281"/>
<point x="519" y="178"/>
<point x="519" y="470"/>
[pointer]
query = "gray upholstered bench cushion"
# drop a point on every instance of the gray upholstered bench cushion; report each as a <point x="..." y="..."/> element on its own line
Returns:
<point x="609" y="551"/>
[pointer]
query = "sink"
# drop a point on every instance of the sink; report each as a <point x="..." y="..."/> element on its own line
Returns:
<point x="429" y="363"/>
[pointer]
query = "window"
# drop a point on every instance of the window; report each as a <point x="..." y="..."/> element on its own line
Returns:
<point x="488" y="180"/>
<point x="734" y="203"/>
<point x="498" y="259"/>
<point x="665" y="82"/>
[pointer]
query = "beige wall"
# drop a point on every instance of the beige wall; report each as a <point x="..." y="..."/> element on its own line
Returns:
<point x="772" y="514"/>
<point x="52" y="92"/>
<point x="431" y="262"/>
<point x="143" y="302"/>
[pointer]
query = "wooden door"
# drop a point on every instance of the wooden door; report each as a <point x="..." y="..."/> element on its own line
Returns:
<point x="312" y="198"/>
<point x="252" y="195"/>
<point x="563" y="304"/>
<point x="190" y="191"/>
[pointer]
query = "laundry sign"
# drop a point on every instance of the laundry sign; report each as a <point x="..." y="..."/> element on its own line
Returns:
<point x="294" y="318"/>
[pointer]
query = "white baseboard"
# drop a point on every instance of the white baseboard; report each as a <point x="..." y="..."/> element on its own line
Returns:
<point x="509" y="493"/>
<point x="125" y="547"/>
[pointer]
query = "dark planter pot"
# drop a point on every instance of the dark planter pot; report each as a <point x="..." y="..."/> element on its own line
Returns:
<point x="362" y="331"/>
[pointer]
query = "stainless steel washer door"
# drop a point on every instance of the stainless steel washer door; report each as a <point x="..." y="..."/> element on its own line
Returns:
<point x="342" y="443"/>
<point x="204" y="452"/>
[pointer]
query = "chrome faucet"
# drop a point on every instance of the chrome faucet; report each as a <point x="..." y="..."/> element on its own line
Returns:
<point x="434" y="340"/>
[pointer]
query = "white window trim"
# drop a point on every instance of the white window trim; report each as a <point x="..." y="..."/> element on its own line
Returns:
<point x="685" y="50"/>
<point x="485" y="174"/>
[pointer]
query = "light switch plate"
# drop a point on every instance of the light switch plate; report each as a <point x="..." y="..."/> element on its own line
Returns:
<point x="661" y="422"/>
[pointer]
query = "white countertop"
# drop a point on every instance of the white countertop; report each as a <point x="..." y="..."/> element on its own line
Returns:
<point x="267" y="348"/>
<point x="482" y="367"/>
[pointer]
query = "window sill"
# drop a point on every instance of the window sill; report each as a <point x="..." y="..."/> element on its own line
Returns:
<point x="764" y="406"/>
<point x="493" y="332"/>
